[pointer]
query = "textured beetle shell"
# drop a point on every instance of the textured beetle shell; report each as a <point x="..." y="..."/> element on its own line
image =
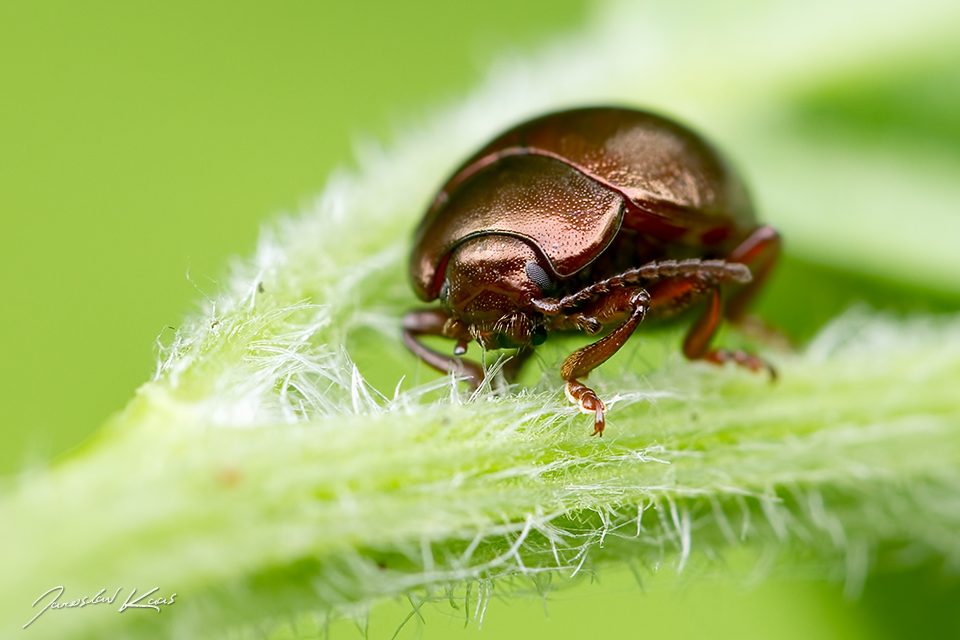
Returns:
<point x="568" y="181"/>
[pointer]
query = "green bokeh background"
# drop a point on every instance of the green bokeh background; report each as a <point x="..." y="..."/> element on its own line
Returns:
<point x="142" y="146"/>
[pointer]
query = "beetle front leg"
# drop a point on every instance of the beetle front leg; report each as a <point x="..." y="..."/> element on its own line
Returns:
<point x="435" y="322"/>
<point x="581" y="362"/>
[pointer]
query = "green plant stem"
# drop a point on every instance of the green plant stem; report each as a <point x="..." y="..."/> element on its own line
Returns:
<point x="847" y="451"/>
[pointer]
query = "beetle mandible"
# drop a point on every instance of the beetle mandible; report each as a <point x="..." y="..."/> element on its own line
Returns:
<point x="580" y="220"/>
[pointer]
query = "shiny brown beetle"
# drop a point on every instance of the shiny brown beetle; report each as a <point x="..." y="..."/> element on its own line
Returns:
<point x="582" y="219"/>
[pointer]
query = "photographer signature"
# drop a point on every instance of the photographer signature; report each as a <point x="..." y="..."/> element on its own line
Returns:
<point x="130" y="603"/>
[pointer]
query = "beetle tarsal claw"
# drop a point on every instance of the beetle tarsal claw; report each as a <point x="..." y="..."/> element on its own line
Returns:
<point x="598" y="423"/>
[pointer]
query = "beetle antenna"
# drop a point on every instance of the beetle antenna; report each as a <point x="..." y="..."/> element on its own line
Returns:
<point x="719" y="270"/>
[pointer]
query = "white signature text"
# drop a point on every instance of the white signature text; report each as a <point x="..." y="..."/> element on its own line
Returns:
<point x="132" y="602"/>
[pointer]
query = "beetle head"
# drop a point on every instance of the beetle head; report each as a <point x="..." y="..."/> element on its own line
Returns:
<point x="489" y="284"/>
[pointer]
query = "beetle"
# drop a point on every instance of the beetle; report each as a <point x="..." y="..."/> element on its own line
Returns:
<point x="583" y="220"/>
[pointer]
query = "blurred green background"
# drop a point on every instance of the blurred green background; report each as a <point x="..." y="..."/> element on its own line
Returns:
<point x="143" y="145"/>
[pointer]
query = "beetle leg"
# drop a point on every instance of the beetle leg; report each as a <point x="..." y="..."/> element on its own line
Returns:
<point x="759" y="252"/>
<point x="434" y="322"/>
<point x="696" y="346"/>
<point x="581" y="362"/>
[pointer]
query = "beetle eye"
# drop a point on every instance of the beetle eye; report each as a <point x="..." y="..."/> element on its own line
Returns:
<point x="444" y="290"/>
<point x="539" y="277"/>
